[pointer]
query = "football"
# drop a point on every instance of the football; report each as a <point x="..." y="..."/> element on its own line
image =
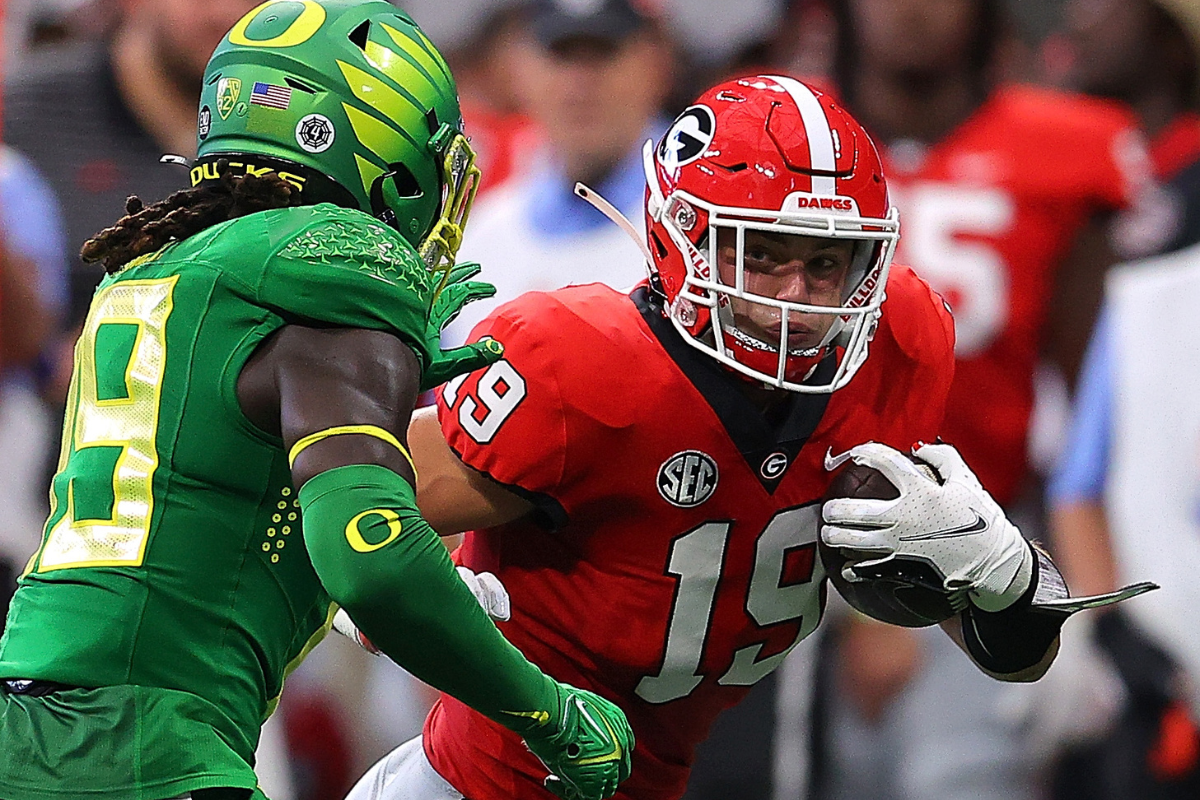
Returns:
<point x="903" y="591"/>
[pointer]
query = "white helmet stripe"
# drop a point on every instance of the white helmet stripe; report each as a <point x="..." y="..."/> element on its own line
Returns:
<point x="816" y="128"/>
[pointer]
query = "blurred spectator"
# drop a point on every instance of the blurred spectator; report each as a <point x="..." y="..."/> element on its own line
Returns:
<point x="32" y="296"/>
<point x="95" y="117"/>
<point x="1006" y="195"/>
<point x="594" y="78"/>
<point x="484" y="63"/>
<point x="1146" y="53"/>
<point x="1125" y="501"/>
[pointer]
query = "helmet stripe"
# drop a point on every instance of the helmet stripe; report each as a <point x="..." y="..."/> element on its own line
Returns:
<point x="398" y="106"/>
<point x="821" y="153"/>
<point x="419" y="48"/>
<point x="401" y="69"/>
<point x="367" y="171"/>
<point x="379" y="137"/>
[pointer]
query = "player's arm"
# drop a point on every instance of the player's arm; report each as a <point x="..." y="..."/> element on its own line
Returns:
<point x="341" y="400"/>
<point x="452" y="496"/>
<point x="24" y="320"/>
<point x="1078" y="289"/>
<point x="376" y="556"/>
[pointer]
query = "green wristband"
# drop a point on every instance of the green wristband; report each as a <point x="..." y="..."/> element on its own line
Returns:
<point x="380" y="560"/>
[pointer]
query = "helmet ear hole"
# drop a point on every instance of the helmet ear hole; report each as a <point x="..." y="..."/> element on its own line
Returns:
<point x="359" y="35"/>
<point x="659" y="248"/>
<point x="404" y="181"/>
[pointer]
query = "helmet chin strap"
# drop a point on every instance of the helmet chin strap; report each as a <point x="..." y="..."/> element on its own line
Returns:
<point x="609" y="210"/>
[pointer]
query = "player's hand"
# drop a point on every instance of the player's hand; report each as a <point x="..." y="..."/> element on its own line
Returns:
<point x="588" y="748"/>
<point x="487" y="588"/>
<point x="446" y="364"/>
<point x="490" y="593"/>
<point x="950" y="522"/>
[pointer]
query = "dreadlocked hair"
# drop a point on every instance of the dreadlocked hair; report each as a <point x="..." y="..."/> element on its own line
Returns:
<point x="147" y="229"/>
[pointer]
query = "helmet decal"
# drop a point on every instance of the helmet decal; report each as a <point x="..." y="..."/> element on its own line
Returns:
<point x="315" y="133"/>
<point x="689" y="136"/>
<point x="300" y="27"/>
<point x="228" y="91"/>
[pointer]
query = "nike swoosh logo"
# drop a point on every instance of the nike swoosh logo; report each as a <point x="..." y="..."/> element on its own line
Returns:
<point x="977" y="526"/>
<point x="539" y="717"/>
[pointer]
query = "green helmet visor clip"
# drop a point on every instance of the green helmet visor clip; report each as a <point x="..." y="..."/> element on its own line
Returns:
<point x="460" y="183"/>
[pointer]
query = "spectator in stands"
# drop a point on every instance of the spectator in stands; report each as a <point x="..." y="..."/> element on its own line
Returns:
<point x="1146" y="53"/>
<point x="594" y="79"/>
<point x="484" y="63"/>
<point x="1006" y="194"/>
<point x="95" y="117"/>
<point x="1126" y="501"/>
<point x="32" y="297"/>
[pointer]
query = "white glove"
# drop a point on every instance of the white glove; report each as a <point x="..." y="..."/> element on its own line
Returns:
<point x="490" y="593"/>
<point x="486" y="587"/>
<point x="954" y="525"/>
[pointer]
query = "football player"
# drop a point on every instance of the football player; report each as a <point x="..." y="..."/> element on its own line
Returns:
<point x="644" y="472"/>
<point x="234" y="459"/>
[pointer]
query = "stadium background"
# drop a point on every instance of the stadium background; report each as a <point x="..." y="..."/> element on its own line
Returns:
<point x="81" y="134"/>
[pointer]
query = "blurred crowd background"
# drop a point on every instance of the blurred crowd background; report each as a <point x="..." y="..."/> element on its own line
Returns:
<point x="1096" y="222"/>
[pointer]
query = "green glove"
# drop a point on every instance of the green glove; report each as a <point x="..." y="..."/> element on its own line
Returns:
<point x="589" y="750"/>
<point x="446" y="364"/>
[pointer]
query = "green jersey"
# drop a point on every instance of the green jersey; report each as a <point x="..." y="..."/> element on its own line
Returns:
<point x="173" y="559"/>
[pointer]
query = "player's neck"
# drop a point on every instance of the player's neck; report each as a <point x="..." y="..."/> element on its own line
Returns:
<point x="897" y="105"/>
<point x="160" y="105"/>
<point x="773" y="403"/>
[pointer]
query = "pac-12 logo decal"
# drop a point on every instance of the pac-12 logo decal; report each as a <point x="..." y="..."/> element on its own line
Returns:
<point x="687" y="479"/>
<point x="228" y="92"/>
<point x="689" y="136"/>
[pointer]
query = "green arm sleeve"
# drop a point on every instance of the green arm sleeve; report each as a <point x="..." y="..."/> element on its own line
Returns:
<point x="381" y="561"/>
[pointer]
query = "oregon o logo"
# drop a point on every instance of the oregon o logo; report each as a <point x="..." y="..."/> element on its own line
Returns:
<point x="315" y="133"/>
<point x="354" y="535"/>
<point x="687" y="479"/>
<point x="307" y="23"/>
<point x="690" y="135"/>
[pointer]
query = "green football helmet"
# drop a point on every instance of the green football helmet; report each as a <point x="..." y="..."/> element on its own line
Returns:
<point x="349" y="101"/>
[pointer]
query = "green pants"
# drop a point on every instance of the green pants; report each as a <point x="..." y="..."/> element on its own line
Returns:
<point x="117" y="743"/>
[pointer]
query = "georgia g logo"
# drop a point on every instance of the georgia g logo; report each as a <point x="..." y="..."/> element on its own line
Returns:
<point x="689" y="136"/>
<point x="687" y="479"/>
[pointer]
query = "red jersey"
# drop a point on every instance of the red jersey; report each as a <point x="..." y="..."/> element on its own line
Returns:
<point x="987" y="214"/>
<point x="675" y="560"/>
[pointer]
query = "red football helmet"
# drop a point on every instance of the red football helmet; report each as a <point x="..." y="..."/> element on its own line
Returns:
<point x="769" y="154"/>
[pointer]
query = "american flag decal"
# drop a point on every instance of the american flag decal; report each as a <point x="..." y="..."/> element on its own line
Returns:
<point x="271" y="96"/>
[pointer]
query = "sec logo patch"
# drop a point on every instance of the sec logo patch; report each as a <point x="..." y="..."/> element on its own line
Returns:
<point x="687" y="479"/>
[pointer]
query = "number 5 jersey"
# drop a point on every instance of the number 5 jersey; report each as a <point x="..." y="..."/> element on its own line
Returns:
<point x="671" y="560"/>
